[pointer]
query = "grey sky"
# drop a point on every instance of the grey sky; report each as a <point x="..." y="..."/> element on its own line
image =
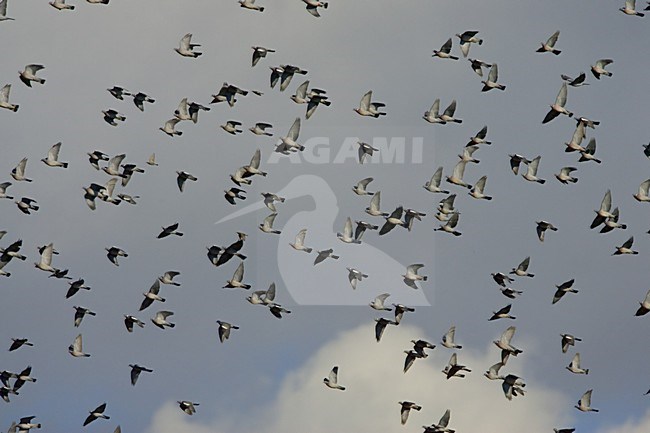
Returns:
<point x="354" y="47"/>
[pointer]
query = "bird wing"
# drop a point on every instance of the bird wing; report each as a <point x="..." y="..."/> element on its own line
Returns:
<point x="347" y="230"/>
<point x="437" y="177"/>
<point x="255" y="160"/>
<point x="364" y="182"/>
<point x="508" y="334"/>
<point x="449" y="336"/>
<point x="239" y="272"/>
<point x="493" y="76"/>
<point x="553" y="39"/>
<point x="459" y="169"/>
<point x="146" y="302"/>
<point x="135" y="373"/>
<point x="375" y="201"/>
<point x="379" y="328"/>
<point x="77" y="344"/>
<point x="464" y="48"/>
<point x="561" y="96"/>
<point x="414" y="268"/>
<point x="164" y="314"/>
<point x="300" y="237"/>
<point x="552" y="114"/>
<point x="53" y="153"/>
<point x="383" y="297"/>
<point x="404" y="414"/>
<point x="333" y="376"/>
<point x="182" y="108"/>
<point x="4" y="93"/>
<point x="578" y="134"/>
<point x="171" y="123"/>
<point x="268" y="221"/>
<point x="495" y="368"/>
<point x="532" y="166"/>
<point x="523" y="266"/>
<point x="446" y="47"/>
<point x="185" y="42"/>
<point x="33" y="69"/>
<point x="575" y="362"/>
<point x="313" y="10"/>
<point x="155" y="288"/>
<point x="114" y="163"/>
<point x="643" y="188"/>
<point x="294" y="131"/>
<point x="444" y="421"/>
<point x="435" y="108"/>
<point x="301" y="91"/>
<point x="606" y="203"/>
<point x="46" y="255"/>
<point x="20" y="168"/>
<point x="180" y="181"/>
<point x="479" y="186"/>
<point x="311" y="107"/>
<point x="451" y="109"/>
<point x="628" y="243"/>
<point x="365" y="101"/>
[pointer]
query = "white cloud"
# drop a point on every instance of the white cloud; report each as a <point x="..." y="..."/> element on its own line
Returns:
<point x="639" y="426"/>
<point x="372" y="373"/>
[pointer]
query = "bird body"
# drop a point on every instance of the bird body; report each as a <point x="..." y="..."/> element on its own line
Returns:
<point x="331" y="381"/>
<point x="186" y="47"/>
<point x="28" y="75"/>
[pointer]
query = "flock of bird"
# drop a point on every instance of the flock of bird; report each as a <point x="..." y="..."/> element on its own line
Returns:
<point x="120" y="173"/>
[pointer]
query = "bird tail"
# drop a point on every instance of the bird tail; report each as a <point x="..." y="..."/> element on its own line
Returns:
<point x="16" y="108"/>
<point x="308" y="250"/>
<point x="480" y="41"/>
<point x="556" y="52"/>
<point x="424" y="278"/>
<point x="171" y="325"/>
<point x="261" y="9"/>
<point x="334" y="257"/>
<point x="457" y="121"/>
<point x="541" y="181"/>
<point x="453" y="57"/>
<point x="179" y="133"/>
<point x="65" y="165"/>
<point x="586" y="371"/>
